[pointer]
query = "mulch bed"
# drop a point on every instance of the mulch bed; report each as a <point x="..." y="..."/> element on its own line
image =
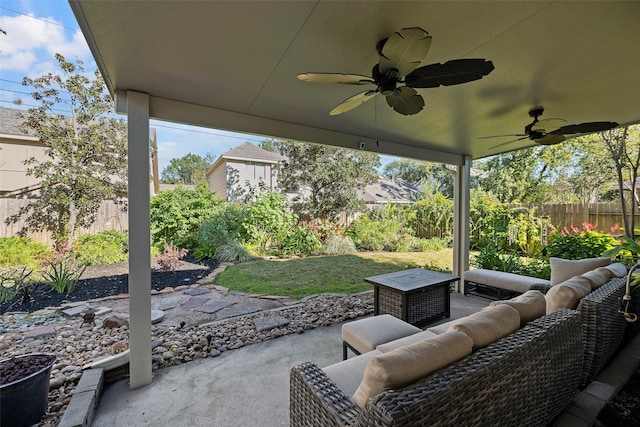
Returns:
<point x="99" y="281"/>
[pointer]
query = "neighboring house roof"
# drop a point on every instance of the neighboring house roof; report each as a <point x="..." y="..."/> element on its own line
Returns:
<point x="249" y="153"/>
<point x="9" y="125"/>
<point x="387" y="190"/>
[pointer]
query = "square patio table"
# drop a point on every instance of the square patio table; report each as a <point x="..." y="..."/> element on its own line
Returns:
<point x="417" y="296"/>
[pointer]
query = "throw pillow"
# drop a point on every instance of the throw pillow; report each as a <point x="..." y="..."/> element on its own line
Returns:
<point x="530" y="305"/>
<point x="565" y="269"/>
<point x="617" y="269"/>
<point x="487" y="326"/>
<point x="567" y="294"/>
<point x="405" y="365"/>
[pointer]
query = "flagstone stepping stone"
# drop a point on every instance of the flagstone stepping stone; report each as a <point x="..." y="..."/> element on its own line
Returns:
<point x="196" y="291"/>
<point x="237" y="310"/>
<point x="75" y="311"/>
<point x="212" y="307"/>
<point x="41" y="331"/>
<point x="157" y="316"/>
<point x="169" y="303"/>
<point x="265" y="323"/>
<point x="194" y="302"/>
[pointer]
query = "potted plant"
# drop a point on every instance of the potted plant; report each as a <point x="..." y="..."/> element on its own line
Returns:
<point x="24" y="388"/>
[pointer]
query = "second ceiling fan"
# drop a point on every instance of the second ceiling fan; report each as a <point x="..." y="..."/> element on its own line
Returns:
<point x="551" y="131"/>
<point x="396" y="75"/>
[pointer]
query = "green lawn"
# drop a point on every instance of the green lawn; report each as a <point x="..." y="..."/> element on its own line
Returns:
<point x="298" y="278"/>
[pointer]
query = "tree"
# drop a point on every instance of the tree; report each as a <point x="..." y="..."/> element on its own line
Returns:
<point x="526" y="176"/>
<point x="86" y="152"/>
<point x="326" y="179"/>
<point x="623" y="145"/>
<point x="190" y="169"/>
<point x="426" y="175"/>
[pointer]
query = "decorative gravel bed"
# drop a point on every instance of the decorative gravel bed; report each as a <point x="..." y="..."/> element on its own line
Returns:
<point x="77" y="345"/>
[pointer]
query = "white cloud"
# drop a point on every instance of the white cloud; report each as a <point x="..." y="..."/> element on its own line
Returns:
<point x="30" y="43"/>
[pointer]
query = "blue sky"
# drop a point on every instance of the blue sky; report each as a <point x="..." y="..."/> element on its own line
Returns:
<point x="38" y="29"/>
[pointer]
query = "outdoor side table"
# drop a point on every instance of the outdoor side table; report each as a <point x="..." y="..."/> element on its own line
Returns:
<point x="417" y="296"/>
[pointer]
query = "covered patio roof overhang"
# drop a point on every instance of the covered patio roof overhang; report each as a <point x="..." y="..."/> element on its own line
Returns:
<point x="233" y="65"/>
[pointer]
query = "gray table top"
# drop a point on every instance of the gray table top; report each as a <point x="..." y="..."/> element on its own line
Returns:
<point x="409" y="280"/>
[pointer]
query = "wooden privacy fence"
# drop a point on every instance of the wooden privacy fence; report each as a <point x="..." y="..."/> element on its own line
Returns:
<point x="110" y="217"/>
<point x="605" y="215"/>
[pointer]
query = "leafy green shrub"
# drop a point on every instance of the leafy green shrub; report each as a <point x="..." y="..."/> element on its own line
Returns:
<point x="17" y="251"/>
<point x="432" y="216"/>
<point x="267" y="221"/>
<point x="575" y="243"/>
<point x="338" y="245"/>
<point x="535" y="267"/>
<point x="301" y="241"/>
<point x="424" y="245"/>
<point x="105" y="247"/>
<point x="490" y="258"/>
<point x="224" y="225"/>
<point x="233" y="251"/>
<point x="373" y="235"/>
<point x="176" y="214"/>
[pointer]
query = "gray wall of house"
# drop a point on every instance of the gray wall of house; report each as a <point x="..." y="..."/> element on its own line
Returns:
<point x="233" y="179"/>
<point x="13" y="172"/>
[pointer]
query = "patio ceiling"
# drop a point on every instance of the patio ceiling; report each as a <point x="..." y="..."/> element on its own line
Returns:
<point x="233" y="65"/>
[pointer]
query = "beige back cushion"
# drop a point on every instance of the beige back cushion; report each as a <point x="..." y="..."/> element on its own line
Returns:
<point x="567" y="294"/>
<point x="598" y="277"/>
<point x="487" y="326"/>
<point x="617" y="269"/>
<point x="405" y="365"/>
<point x="565" y="269"/>
<point x="530" y="305"/>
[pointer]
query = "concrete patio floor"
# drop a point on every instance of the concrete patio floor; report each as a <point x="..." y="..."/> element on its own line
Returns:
<point x="250" y="385"/>
<point x="243" y="387"/>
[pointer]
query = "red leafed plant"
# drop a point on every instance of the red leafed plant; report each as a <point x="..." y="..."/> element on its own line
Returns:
<point x="171" y="257"/>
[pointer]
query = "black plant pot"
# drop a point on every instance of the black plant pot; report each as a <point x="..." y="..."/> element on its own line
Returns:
<point x="23" y="401"/>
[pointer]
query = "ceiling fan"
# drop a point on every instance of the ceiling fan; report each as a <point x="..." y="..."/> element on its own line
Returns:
<point x="538" y="130"/>
<point x="400" y="55"/>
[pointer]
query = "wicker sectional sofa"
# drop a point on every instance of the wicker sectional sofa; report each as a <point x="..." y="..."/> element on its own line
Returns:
<point x="524" y="378"/>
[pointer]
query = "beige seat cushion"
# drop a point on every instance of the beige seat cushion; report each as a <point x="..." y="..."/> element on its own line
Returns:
<point x="567" y="294"/>
<point x="530" y="305"/>
<point x="617" y="269"/>
<point x="405" y="365"/>
<point x="503" y="280"/>
<point x="347" y="375"/>
<point x="487" y="326"/>
<point x="366" y="334"/>
<point x="411" y="339"/>
<point x="565" y="269"/>
<point x="598" y="277"/>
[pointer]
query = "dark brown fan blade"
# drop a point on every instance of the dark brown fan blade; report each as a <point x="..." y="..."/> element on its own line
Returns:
<point x="588" y="127"/>
<point x="404" y="50"/>
<point x="450" y="73"/>
<point x="550" y="139"/>
<point x="345" y="79"/>
<point x="406" y="101"/>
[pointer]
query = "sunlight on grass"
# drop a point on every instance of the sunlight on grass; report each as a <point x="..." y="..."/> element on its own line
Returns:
<point x="344" y="274"/>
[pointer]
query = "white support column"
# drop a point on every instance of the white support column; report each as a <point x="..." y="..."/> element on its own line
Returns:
<point x="139" y="241"/>
<point x="461" y="203"/>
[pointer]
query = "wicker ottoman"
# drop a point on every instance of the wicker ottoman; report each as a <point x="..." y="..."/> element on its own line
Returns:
<point x="365" y="335"/>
